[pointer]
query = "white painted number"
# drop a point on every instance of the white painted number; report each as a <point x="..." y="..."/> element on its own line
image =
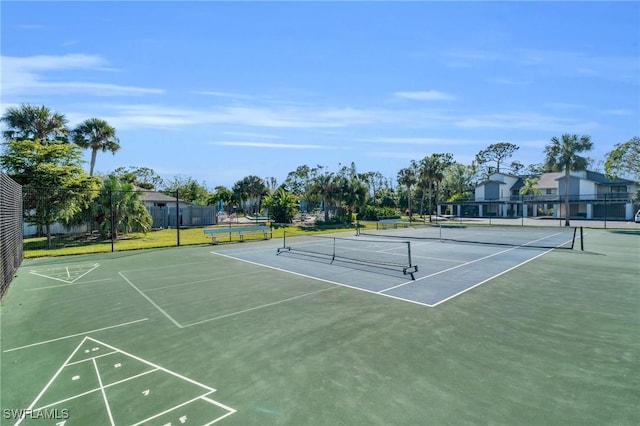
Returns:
<point x="95" y="349"/>
<point x="146" y="392"/>
<point x="183" y="419"/>
<point x="118" y="365"/>
<point x="75" y="378"/>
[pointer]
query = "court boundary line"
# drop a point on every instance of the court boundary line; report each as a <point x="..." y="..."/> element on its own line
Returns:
<point x="201" y="281"/>
<point x="257" y="307"/>
<point x="320" y="279"/>
<point x="472" y="261"/>
<point x="492" y="277"/>
<point x="154" y="304"/>
<point x="75" y="335"/>
<point x="67" y="285"/>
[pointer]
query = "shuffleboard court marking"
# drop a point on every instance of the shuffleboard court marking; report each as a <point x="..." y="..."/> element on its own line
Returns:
<point x="67" y="285"/>
<point x="206" y="390"/>
<point x="104" y="394"/>
<point x="51" y="273"/>
<point x="77" y="334"/>
<point x="154" y="304"/>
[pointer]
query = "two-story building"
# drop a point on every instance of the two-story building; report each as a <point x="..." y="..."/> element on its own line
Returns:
<point x="591" y="196"/>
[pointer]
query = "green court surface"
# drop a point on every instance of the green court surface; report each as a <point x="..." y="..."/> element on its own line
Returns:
<point x="183" y="336"/>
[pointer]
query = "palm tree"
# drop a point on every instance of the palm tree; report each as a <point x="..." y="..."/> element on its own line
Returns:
<point x="96" y="134"/>
<point x="34" y="122"/>
<point x="563" y="155"/>
<point x="407" y="177"/>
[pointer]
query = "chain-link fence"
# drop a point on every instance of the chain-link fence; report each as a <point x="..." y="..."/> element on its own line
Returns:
<point x="89" y="221"/>
<point x="10" y="230"/>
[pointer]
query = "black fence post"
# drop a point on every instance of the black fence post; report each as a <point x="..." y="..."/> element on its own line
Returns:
<point x="113" y="220"/>
<point x="178" y="218"/>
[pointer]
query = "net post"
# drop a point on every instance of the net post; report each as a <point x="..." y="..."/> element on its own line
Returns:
<point x="573" y="240"/>
<point x="409" y="252"/>
<point x="581" y="240"/>
<point x="333" y="255"/>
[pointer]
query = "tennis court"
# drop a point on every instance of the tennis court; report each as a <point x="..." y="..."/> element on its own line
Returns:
<point x="369" y="329"/>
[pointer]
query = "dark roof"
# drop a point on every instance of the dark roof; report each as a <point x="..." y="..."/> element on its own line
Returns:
<point x="519" y="184"/>
<point x="601" y="178"/>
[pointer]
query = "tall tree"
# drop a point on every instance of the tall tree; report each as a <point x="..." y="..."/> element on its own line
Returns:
<point x="408" y="178"/>
<point x="28" y="122"/>
<point x="624" y="160"/>
<point x="432" y="170"/>
<point x="530" y="187"/>
<point x="188" y="190"/>
<point x="120" y="201"/>
<point x="54" y="183"/>
<point x="563" y="154"/>
<point x="250" y="187"/>
<point x="282" y="205"/>
<point x="95" y="134"/>
<point x="497" y="152"/>
<point x="142" y="177"/>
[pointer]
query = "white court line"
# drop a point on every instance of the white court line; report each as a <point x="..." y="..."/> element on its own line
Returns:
<point x="76" y="335"/>
<point x="203" y="281"/>
<point x="447" y="270"/>
<point x="170" y="409"/>
<point x="490" y="278"/>
<point x="67" y="285"/>
<point x="94" y="357"/>
<point x="104" y="394"/>
<point x="258" y="307"/>
<point x="162" y="311"/>
<point x="320" y="279"/>
<point x="467" y="263"/>
<point x="94" y="266"/>
<point x="186" y="379"/>
<point x="30" y="407"/>
<point x="211" y="401"/>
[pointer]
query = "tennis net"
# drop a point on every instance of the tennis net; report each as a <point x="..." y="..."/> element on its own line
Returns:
<point x="382" y="253"/>
<point x="550" y="237"/>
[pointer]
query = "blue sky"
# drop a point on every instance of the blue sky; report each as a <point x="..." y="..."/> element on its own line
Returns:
<point x="217" y="91"/>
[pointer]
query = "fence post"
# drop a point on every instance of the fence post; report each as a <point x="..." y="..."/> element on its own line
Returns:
<point x="113" y="220"/>
<point x="178" y="218"/>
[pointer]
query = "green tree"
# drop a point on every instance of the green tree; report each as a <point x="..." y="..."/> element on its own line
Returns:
<point x="301" y="182"/>
<point x="407" y="177"/>
<point x="188" y="190"/>
<point x="250" y="188"/>
<point x="624" y="160"/>
<point x="119" y="200"/>
<point x="431" y="172"/>
<point x="223" y="194"/>
<point x="55" y="185"/>
<point x="28" y="122"/>
<point x="97" y="135"/>
<point x="457" y="182"/>
<point x="282" y="205"/>
<point x="142" y="177"/>
<point x="563" y="154"/>
<point x="497" y="152"/>
<point x="530" y="187"/>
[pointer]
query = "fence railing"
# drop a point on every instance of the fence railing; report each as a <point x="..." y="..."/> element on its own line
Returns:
<point x="109" y="220"/>
<point x="11" y="248"/>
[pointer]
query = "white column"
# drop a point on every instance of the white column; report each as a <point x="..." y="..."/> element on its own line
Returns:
<point x="480" y="210"/>
<point x="505" y="209"/>
<point x="438" y="210"/>
<point x="524" y="209"/>
<point x="556" y="211"/>
<point x="589" y="211"/>
<point x="628" y="211"/>
<point x="459" y="210"/>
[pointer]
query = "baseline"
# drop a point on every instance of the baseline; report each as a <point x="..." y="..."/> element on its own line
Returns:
<point x="76" y="335"/>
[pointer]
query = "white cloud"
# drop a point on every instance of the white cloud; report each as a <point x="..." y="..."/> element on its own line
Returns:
<point x="24" y="76"/>
<point x="270" y="145"/>
<point x="426" y="95"/>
